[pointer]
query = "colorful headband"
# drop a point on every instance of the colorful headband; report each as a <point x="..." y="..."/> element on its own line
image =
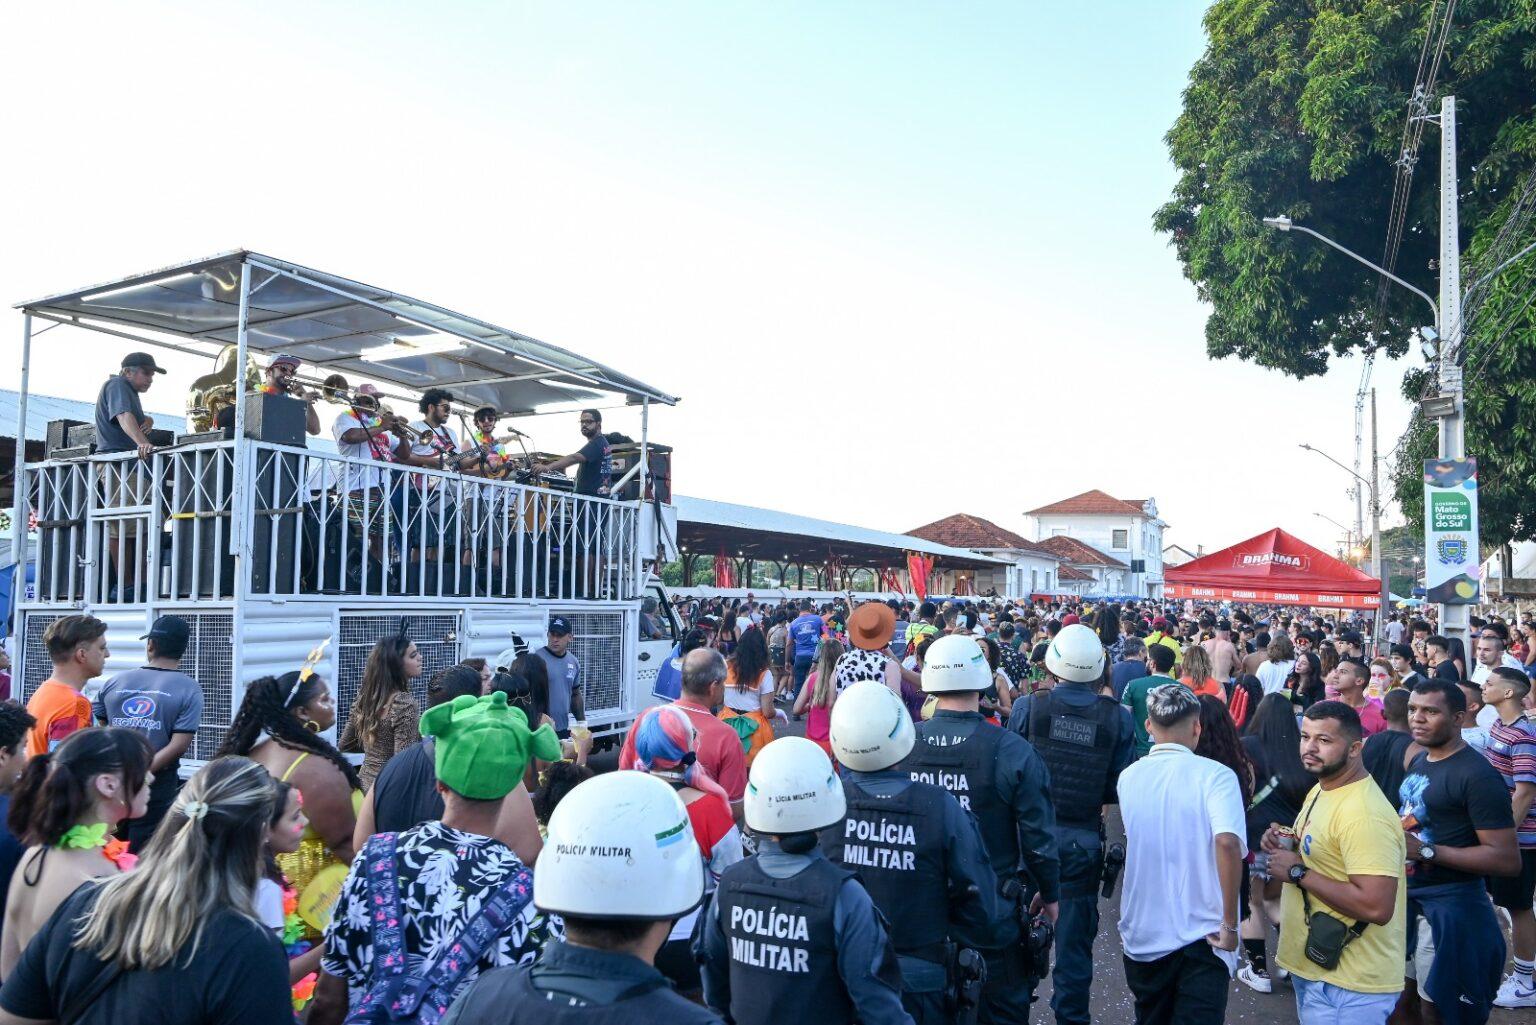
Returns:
<point x="307" y="669"/>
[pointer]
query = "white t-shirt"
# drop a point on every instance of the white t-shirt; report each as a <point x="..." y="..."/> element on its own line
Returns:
<point x="1174" y="804"/>
<point x="738" y="699"/>
<point x="447" y="442"/>
<point x="1480" y="672"/>
<point x="357" y="478"/>
<point x="1272" y="675"/>
<point x="269" y="904"/>
<point x="1394" y="631"/>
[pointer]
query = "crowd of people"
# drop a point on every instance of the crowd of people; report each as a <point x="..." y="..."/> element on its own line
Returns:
<point x="1296" y="811"/>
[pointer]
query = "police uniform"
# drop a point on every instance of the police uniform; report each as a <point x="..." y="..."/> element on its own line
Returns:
<point x="1000" y="780"/>
<point x="923" y="863"/>
<point x="572" y="985"/>
<point x="1085" y="740"/>
<point x="785" y="933"/>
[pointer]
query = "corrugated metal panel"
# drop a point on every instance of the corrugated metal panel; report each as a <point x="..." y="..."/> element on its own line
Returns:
<point x="43" y="408"/>
<point x="488" y="631"/>
<point x="276" y="637"/>
<point x="436" y="634"/>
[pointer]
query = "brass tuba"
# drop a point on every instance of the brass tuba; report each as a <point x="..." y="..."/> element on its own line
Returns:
<point x="213" y="392"/>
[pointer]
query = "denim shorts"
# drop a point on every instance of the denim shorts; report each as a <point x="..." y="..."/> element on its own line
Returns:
<point x="1323" y="1003"/>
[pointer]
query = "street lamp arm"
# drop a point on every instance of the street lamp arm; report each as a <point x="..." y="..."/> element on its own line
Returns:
<point x="1341" y="466"/>
<point x="1480" y="282"/>
<point x="1435" y="310"/>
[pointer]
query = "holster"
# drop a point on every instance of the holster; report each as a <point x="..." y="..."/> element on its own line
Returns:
<point x="967" y="976"/>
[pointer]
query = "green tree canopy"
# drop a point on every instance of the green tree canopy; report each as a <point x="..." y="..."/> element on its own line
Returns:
<point x="1299" y="108"/>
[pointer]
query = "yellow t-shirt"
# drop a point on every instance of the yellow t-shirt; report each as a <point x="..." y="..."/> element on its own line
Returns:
<point x="1345" y="832"/>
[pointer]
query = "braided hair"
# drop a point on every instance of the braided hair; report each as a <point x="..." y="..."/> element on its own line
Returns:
<point x="268" y="709"/>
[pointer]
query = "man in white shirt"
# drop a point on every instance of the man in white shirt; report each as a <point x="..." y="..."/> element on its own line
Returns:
<point x="1491" y="653"/>
<point x="1184" y="829"/>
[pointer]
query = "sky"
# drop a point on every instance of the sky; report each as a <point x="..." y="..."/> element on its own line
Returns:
<point x="896" y="258"/>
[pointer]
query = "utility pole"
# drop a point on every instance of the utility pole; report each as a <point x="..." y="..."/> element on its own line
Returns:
<point x="1378" y="564"/>
<point x="1453" y="618"/>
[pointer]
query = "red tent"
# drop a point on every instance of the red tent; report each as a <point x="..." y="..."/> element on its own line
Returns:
<point x="1275" y="568"/>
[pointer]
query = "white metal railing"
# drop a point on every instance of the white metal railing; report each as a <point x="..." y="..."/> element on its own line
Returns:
<point x="116" y="529"/>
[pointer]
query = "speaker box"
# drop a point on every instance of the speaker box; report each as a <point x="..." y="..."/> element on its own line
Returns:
<point x="275" y="418"/>
<point x="278" y="510"/>
<point x="193" y="536"/>
<point x="626" y="456"/>
<point x="58" y="435"/>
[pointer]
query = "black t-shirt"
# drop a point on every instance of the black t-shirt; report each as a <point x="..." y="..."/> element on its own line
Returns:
<point x="1281" y="804"/>
<point x="237" y="976"/>
<point x="1383" y="758"/>
<point x="595" y="472"/>
<point x="11" y="850"/>
<point x="405" y="794"/>
<point x="1447" y="671"/>
<point x="1452" y="799"/>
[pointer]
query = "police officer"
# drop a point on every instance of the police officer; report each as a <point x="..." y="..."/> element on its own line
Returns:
<point x="915" y="849"/>
<point x="788" y="930"/>
<point x="620" y="865"/>
<point x="1085" y="739"/>
<point x="998" y="778"/>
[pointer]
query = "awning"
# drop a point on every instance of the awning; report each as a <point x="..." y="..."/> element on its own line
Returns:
<point x="339" y="325"/>
<point x="706" y="527"/>
<point x="1274" y="568"/>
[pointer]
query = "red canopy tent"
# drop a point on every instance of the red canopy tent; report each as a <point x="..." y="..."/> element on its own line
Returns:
<point x="1275" y="568"/>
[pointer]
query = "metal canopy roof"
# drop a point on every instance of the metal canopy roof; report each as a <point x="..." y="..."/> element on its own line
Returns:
<point x="336" y="324"/>
<point x="707" y="527"/>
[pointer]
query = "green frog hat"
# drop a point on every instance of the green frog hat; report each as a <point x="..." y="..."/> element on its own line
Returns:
<point x="484" y="745"/>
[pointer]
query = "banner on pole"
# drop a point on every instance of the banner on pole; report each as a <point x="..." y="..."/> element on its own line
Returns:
<point x="1450" y="532"/>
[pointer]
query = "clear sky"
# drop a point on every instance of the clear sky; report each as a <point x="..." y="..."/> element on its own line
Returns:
<point x="897" y="258"/>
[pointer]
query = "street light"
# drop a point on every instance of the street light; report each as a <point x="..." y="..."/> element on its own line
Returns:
<point x="1376" y="560"/>
<point x="1284" y="223"/>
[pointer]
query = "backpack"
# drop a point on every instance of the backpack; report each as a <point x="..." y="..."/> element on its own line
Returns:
<point x="397" y="998"/>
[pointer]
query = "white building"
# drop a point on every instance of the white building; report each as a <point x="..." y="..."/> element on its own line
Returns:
<point x="1030" y="570"/>
<point x="1177" y="555"/>
<point x="1128" y="531"/>
<point x="1092" y="570"/>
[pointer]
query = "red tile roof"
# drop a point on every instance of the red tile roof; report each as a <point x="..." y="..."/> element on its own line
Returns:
<point x="1068" y="573"/>
<point x="963" y="530"/>
<point x="1091" y="503"/>
<point x="1075" y="551"/>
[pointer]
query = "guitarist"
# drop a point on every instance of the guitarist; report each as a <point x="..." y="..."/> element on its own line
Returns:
<point x="483" y="452"/>
<point x="435" y="446"/>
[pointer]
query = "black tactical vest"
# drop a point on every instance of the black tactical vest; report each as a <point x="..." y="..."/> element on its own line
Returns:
<point x="783" y="944"/>
<point x="969" y="770"/>
<point x="1076" y="743"/>
<point x="519" y="1002"/>
<point x="895" y="845"/>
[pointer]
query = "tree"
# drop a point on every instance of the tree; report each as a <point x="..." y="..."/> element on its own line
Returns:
<point x="1299" y="108"/>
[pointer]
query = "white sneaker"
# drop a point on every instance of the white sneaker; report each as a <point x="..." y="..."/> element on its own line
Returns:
<point x="1281" y="973"/>
<point x="1255" y="980"/>
<point x="1511" y="994"/>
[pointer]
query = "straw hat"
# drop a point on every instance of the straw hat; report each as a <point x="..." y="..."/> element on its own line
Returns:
<point x="870" y="625"/>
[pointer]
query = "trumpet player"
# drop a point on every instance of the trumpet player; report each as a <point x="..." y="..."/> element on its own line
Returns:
<point x="364" y="432"/>
<point x="435" y="446"/>
<point x="279" y="380"/>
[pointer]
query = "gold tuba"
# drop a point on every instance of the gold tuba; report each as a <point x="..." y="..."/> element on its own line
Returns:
<point x="213" y="392"/>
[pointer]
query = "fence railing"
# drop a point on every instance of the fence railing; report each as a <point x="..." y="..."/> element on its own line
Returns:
<point x="117" y="529"/>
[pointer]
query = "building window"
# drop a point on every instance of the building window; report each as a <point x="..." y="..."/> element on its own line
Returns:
<point x="1120" y="540"/>
<point x="1058" y="531"/>
<point x="1034" y="584"/>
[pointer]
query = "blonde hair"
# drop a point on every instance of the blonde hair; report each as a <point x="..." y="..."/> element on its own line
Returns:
<point x="1197" y="664"/>
<point x="826" y="671"/>
<point x="204" y="858"/>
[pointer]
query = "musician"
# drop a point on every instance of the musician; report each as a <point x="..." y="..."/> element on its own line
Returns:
<point x="121" y="425"/>
<point x="437" y="447"/>
<point x="362" y="431"/>
<point x="593" y="461"/>
<point x="483" y="452"/>
<point x="279" y="380"/>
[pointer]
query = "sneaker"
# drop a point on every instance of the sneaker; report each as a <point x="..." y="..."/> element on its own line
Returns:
<point x="1254" y="979"/>
<point x="1514" y="993"/>
<point x="1281" y="974"/>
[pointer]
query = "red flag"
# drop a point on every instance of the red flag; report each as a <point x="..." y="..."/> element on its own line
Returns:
<point x="918" y="568"/>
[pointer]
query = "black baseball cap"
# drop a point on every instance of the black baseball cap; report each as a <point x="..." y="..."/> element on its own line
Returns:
<point x="169" y="628"/>
<point x="559" y="626"/>
<point x="143" y="360"/>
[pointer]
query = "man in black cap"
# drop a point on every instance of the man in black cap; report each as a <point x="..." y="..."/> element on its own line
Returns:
<point x="566" y="707"/>
<point x="121" y="425"/>
<point x="164" y="704"/>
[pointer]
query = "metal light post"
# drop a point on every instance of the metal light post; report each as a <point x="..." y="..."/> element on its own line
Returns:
<point x="1377" y="564"/>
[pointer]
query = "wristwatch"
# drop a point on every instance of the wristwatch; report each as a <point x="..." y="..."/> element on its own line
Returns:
<point x="1296" y="872"/>
<point x="1427" y="852"/>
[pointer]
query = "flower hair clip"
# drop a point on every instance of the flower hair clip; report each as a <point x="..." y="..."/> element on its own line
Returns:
<point x="195" y="810"/>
